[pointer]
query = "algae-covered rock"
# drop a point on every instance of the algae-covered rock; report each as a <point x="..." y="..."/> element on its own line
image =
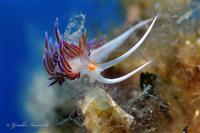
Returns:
<point x="103" y="115"/>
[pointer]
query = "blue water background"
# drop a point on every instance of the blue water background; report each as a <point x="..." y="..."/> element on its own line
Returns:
<point x="23" y="24"/>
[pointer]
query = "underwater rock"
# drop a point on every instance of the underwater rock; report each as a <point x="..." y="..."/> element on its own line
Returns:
<point x="103" y="115"/>
<point x="147" y="83"/>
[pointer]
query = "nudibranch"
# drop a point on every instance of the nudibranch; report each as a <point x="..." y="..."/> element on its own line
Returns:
<point x="64" y="60"/>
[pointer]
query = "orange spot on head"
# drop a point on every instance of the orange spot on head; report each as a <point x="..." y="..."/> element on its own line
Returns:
<point x="92" y="67"/>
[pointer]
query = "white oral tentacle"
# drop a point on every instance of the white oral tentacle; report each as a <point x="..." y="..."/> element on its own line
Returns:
<point x="111" y="63"/>
<point x="104" y="80"/>
<point x="109" y="47"/>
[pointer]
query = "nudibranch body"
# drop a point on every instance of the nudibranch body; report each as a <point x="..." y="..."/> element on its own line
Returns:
<point x="69" y="61"/>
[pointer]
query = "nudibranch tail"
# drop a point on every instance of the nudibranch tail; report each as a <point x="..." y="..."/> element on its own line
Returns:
<point x="109" y="47"/>
<point x="104" y="80"/>
<point x="111" y="63"/>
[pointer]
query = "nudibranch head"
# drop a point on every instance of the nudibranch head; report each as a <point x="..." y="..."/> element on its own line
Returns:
<point x="66" y="60"/>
